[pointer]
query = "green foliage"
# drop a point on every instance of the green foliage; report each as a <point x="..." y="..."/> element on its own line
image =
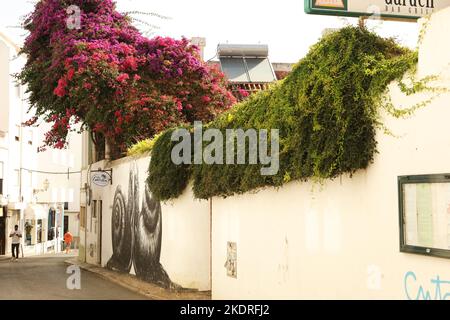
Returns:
<point x="327" y="111"/>
<point x="166" y="180"/>
<point x="143" y="147"/>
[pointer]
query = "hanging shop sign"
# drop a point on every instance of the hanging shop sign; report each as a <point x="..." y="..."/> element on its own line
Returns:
<point x="101" y="178"/>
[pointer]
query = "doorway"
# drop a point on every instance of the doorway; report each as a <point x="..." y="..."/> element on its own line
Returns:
<point x="99" y="232"/>
<point x="66" y="224"/>
<point x="2" y="236"/>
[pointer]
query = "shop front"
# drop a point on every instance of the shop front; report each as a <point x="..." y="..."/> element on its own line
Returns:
<point x="43" y="229"/>
<point x="3" y="232"/>
<point x="9" y="217"/>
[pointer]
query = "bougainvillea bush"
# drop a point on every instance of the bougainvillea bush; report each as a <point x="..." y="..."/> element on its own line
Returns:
<point x="108" y="78"/>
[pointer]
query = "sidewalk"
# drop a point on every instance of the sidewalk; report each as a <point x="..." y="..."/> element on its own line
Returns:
<point x="149" y="290"/>
<point x="28" y="255"/>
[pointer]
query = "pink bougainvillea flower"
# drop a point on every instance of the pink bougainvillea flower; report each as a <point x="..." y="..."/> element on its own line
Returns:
<point x="179" y="106"/>
<point x="206" y="99"/>
<point x="243" y="93"/>
<point x="70" y="74"/>
<point x="60" y="90"/>
<point x="123" y="77"/>
<point x="130" y="63"/>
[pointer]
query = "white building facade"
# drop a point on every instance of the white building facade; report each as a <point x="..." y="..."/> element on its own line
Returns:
<point x="383" y="233"/>
<point x="39" y="191"/>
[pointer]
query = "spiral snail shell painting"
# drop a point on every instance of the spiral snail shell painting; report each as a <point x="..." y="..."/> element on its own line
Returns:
<point x="137" y="233"/>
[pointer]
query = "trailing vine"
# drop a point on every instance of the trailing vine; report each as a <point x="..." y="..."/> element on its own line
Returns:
<point x="328" y="111"/>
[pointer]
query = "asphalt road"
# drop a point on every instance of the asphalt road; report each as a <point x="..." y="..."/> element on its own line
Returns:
<point x="44" y="278"/>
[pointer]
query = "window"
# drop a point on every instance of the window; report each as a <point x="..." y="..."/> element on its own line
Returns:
<point x="94" y="209"/>
<point x="51" y="224"/>
<point x="27" y="178"/>
<point x="39" y="231"/>
<point x="71" y="161"/>
<point x="30" y="178"/>
<point x="83" y="217"/>
<point x="93" y="213"/>
<point x="33" y="178"/>
<point x="424" y="203"/>
<point x="55" y="157"/>
<point x="1" y="179"/>
<point x="64" y="159"/>
<point x="30" y="137"/>
<point x="66" y="206"/>
<point x="71" y="197"/>
<point x="66" y="224"/>
<point x="17" y="133"/>
<point x="16" y="177"/>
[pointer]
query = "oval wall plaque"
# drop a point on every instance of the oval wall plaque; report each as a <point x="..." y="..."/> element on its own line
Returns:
<point x="101" y="179"/>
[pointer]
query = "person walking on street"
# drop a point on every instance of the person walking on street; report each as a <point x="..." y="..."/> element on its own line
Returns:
<point x="16" y="235"/>
<point x="68" y="238"/>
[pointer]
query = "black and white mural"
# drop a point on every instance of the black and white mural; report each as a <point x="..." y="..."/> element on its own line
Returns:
<point x="137" y="233"/>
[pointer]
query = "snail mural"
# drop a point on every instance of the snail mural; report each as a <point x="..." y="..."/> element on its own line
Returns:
<point x="137" y="234"/>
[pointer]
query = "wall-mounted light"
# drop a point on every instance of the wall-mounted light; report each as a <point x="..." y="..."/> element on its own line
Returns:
<point x="3" y="202"/>
<point x="46" y="185"/>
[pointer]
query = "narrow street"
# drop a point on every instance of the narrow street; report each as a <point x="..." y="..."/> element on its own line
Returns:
<point x="44" y="278"/>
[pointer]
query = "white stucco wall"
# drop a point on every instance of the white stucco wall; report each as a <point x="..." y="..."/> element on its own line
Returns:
<point x="4" y="92"/>
<point x="62" y="187"/>
<point x="335" y="241"/>
<point x="186" y="241"/>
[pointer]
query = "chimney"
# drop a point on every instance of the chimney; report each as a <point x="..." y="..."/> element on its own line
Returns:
<point x="201" y="44"/>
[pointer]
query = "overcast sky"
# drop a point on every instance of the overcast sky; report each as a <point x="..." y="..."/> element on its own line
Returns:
<point x="282" y="24"/>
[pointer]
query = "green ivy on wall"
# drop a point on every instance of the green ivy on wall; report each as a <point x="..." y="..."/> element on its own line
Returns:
<point x="166" y="180"/>
<point x="327" y="111"/>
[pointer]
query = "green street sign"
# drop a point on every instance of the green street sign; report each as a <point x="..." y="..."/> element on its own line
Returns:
<point x="389" y="9"/>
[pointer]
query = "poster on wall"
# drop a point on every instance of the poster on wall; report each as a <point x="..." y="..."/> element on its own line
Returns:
<point x="425" y="213"/>
<point x="400" y="9"/>
<point x="231" y="263"/>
